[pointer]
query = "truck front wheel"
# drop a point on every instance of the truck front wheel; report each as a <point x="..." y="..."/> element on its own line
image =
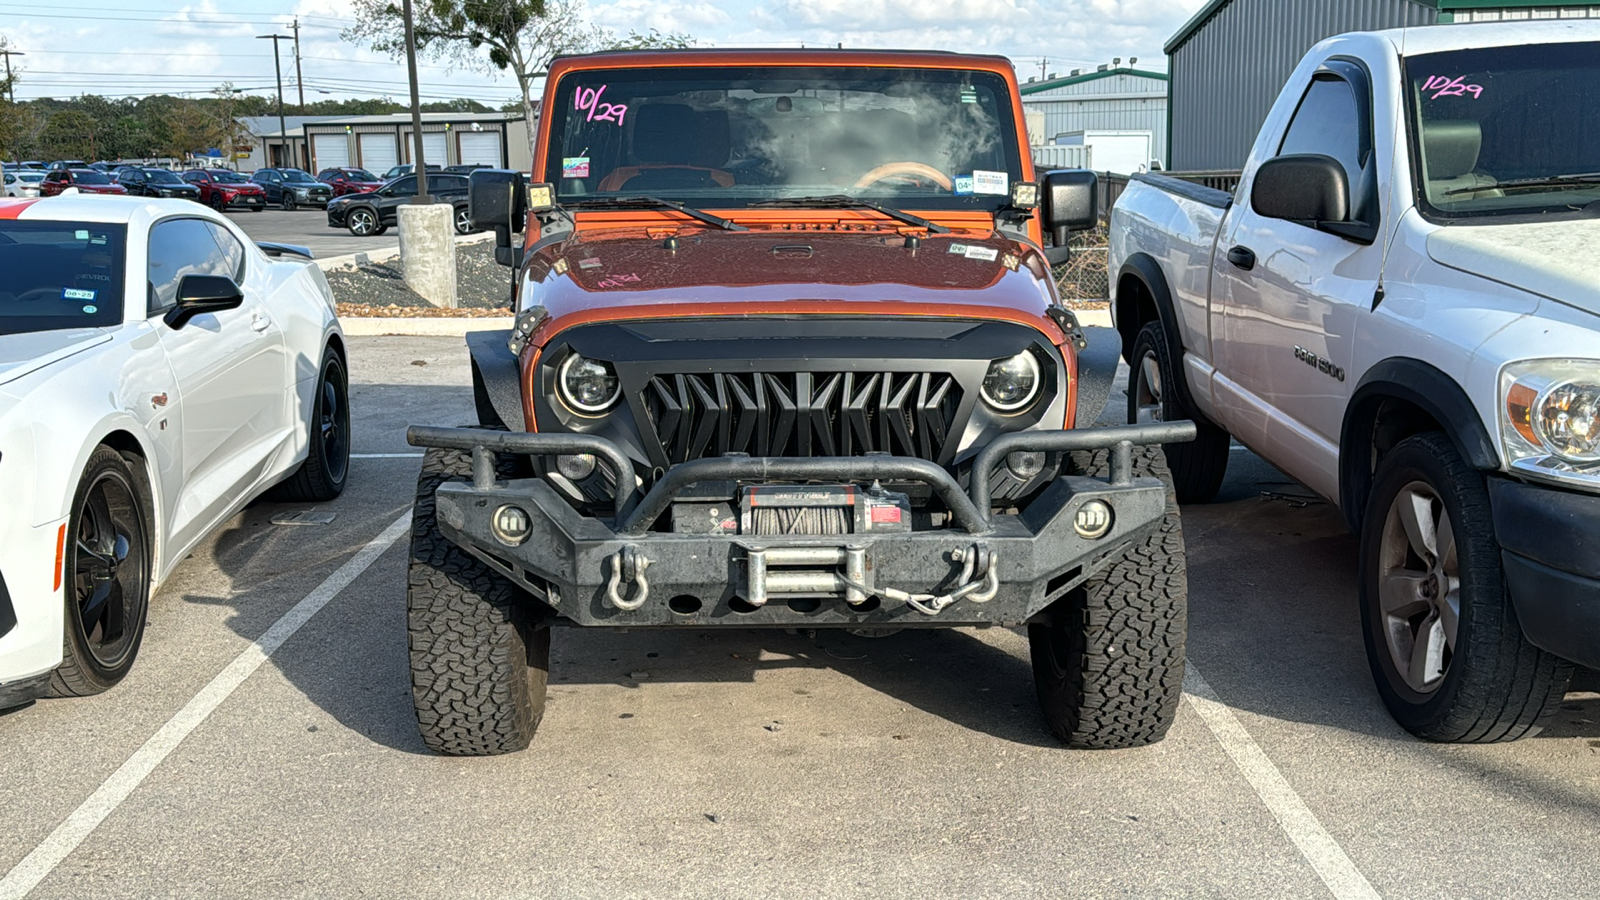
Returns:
<point x="480" y="659"/>
<point x="1442" y="636"/>
<point x="1108" y="665"/>
<point x="1199" y="466"/>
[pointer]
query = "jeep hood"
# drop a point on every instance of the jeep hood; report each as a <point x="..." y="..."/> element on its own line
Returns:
<point x="634" y="273"/>
<point x="1551" y="259"/>
<point x="33" y="350"/>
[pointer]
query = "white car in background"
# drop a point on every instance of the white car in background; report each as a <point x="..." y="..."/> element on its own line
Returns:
<point x="157" y="372"/>
<point x="23" y="184"/>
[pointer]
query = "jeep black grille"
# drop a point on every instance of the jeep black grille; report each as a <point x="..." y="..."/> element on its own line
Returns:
<point x="803" y="413"/>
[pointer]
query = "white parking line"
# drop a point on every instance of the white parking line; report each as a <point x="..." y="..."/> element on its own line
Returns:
<point x="1296" y="819"/>
<point x="87" y="817"/>
<point x="386" y="456"/>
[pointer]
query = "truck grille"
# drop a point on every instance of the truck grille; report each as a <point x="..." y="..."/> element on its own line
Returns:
<point x="803" y="413"/>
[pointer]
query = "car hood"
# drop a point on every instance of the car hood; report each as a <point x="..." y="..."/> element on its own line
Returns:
<point x="634" y="273"/>
<point x="31" y="351"/>
<point x="1551" y="259"/>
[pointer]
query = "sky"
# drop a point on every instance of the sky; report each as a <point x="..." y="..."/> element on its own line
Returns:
<point x="121" y="48"/>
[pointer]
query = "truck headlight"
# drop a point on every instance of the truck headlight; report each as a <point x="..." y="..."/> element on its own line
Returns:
<point x="588" y="385"/>
<point x="1550" y="414"/>
<point x="1011" y="383"/>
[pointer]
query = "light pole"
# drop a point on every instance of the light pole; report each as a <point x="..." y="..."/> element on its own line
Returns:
<point x="277" y="66"/>
<point x="419" y="165"/>
<point x="11" y="86"/>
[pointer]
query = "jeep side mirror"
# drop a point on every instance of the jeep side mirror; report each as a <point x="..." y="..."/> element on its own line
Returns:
<point x="203" y="294"/>
<point x="1070" y="202"/>
<point x="1308" y="189"/>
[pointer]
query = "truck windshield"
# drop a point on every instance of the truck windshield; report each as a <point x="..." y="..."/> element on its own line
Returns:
<point x="60" y="275"/>
<point x="1506" y="130"/>
<point x="730" y="136"/>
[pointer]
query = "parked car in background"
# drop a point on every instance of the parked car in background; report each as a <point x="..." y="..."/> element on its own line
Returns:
<point x="87" y="181"/>
<point x="406" y="169"/>
<point x="152" y="182"/>
<point x="373" y="213"/>
<point x="24" y="183"/>
<point x="222" y="190"/>
<point x="349" y="180"/>
<point x="1398" y="307"/>
<point x="291" y="188"/>
<point x="158" y="371"/>
<point x="466" y="168"/>
<point x="68" y="164"/>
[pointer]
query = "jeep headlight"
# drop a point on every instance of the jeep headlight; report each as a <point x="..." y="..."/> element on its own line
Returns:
<point x="1011" y="383"/>
<point x="588" y="385"/>
<point x="1550" y="414"/>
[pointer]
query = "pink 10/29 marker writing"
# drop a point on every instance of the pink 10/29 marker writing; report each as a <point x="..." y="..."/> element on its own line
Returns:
<point x="588" y="101"/>
<point x="1445" y="86"/>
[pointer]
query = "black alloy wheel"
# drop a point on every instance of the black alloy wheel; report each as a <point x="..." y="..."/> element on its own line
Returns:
<point x="287" y="202"/>
<point x="217" y="202"/>
<point x="362" y="222"/>
<point x="322" y="476"/>
<point x="106" y="578"/>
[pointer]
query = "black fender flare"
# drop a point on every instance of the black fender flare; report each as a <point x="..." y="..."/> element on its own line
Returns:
<point x="498" y="373"/>
<point x="1145" y="268"/>
<point x="1429" y="389"/>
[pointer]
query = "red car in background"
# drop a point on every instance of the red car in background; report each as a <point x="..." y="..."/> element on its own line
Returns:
<point x="222" y="189"/>
<point x="349" y="180"/>
<point x="87" y="181"/>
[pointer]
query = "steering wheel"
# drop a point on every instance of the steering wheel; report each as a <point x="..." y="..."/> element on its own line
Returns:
<point x="912" y="170"/>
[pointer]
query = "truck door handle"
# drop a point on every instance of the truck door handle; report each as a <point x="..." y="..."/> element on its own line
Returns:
<point x="1243" y="257"/>
<point x="260" y="322"/>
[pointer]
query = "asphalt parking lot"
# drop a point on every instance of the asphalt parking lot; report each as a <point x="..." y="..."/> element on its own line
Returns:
<point x="308" y="227"/>
<point x="684" y="763"/>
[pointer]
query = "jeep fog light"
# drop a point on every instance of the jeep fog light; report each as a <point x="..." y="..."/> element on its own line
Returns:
<point x="1011" y="383"/>
<point x="1092" y="520"/>
<point x="510" y="525"/>
<point x="588" y="385"/>
<point x="576" y="467"/>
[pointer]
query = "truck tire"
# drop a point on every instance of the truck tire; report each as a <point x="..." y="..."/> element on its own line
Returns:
<point x="1108" y="665"/>
<point x="1199" y="466"/>
<point x="1428" y="553"/>
<point x="480" y="660"/>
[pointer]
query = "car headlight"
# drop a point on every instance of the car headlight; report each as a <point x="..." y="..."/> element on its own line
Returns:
<point x="1011" y="383"/>
<point x="588" y="385"/>
<point x="1550" y="419"/>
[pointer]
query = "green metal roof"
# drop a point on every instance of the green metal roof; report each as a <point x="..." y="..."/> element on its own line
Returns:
<point x="1034" y="87"/>
<point x="1207" y="12"/>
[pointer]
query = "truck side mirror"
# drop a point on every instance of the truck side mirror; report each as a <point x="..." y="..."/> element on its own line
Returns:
<point x="1305" y="188"/>
<point x="1071" y="203"/>
<point x="498" y="199"/>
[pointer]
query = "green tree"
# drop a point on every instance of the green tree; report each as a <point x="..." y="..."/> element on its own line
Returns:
<point x="69" y="134"/>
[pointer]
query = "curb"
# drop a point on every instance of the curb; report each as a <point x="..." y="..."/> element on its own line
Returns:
<point x="1093" y="318"/>
<point x="387" y="253"/>
<point x="456" y="327"/>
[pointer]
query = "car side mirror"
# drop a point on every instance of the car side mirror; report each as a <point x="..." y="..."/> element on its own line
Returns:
<point x="1308" y="189"/>
<point x="1069" y="201"/>
<point x="202" y="294"/>
<point x="496" y="199"/>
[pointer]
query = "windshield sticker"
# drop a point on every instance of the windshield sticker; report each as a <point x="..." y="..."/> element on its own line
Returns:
<point x="574" y="167"/>
<point x="588" y="101"/>
<point x="973" y="251"/>
<point x="76" y="294"/>
<point x="969" y="94"/>
<point x="80" y="235"/>
<point x="592" y="262"/>
<point x="963" y="184"/>
<point x="990" y="182"/>
<point x="91" y="310"/>
<point x="1445" y="86"/>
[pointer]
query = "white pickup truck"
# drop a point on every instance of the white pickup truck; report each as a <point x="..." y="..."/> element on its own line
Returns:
<point x="1400" y="307"/>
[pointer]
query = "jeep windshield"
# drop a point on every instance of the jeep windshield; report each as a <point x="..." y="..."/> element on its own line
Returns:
<point x="60" y="275"/>
<point x="733" y="136"/>
<point x="1507" y="130"/>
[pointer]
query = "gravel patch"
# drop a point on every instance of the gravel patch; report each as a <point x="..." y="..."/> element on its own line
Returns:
<point x="379" y="288"/>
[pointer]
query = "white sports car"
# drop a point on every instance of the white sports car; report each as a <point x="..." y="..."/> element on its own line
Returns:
<point x="158" y="370"/>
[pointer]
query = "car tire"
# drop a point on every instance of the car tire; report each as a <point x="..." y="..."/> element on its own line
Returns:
<point x="287" y="203"/>
<point x="326" y="469"/>
<point x="218" y="204"/>
<point x="1198" y="466"/>
<point x="105" y="576"/>
<point x="1108" y="662"/>
<point x="364" y="221"/>
<point x="1429" y="553"/>
<point x="480" y="659"/>
<point x="463" y="220"/>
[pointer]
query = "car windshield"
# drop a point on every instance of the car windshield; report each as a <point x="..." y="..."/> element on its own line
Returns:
<point x="229" y="178"/>
<point x="161" y="176"/>
<point x="1506" y="130"/>
<point x="89" y="176"/>
<point x="297" y="176"/>
<point x="33" y="177"/>
<point x="732" y="136"/>
<point x="60" y="275"/>
<point x="359" y="175"/>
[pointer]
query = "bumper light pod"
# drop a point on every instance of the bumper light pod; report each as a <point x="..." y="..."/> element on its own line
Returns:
<point x="1092" y="520"/>
<point x="511" y="525"/>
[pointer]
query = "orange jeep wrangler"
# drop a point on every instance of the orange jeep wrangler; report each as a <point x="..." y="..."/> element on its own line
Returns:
<point x="788" y="354"/>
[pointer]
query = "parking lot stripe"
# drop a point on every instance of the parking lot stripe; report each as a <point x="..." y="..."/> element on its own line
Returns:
<point x="1297" y="820"/>
<point x="386" y="456"/>
<point x="43" y="859"/>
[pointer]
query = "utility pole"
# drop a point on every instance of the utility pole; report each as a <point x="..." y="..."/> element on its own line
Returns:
<point x="277" y="66"/>
<point x="11" y="86"/>
<point x="1044" y="65"/>
<point x="419" y="166"/>
<point x="299" y="80"/>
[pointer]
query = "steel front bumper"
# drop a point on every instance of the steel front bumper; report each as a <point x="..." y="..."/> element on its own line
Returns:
<point x="982" y="569"/>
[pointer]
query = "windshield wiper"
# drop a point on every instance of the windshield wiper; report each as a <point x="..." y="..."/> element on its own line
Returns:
<point x="691" y="212"/>
<point x="1586" y="178"/>
<point x="849" y="202"/>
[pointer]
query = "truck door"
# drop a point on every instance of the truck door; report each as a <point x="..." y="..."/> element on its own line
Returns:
<point x="1289" y="295"/>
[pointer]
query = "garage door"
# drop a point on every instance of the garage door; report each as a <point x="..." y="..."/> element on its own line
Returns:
<point x="329" y="151"/>
<point x="481" y="147"/>
<point x="378" y="153"/>
<point x="433" y="148"/>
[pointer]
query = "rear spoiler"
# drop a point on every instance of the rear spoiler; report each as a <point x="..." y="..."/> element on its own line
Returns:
<point x="277" y="250"/>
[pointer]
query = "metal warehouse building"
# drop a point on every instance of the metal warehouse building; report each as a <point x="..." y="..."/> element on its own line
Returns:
<point x="1118" y="99"/>
<point x="1230" y="60"/>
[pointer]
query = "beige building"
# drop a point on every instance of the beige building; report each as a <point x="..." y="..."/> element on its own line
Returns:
<point x="377" y="143"/>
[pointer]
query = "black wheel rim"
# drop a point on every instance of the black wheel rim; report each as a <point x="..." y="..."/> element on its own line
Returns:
<point x="216" y="201"/>
<point x="288" y="203"/>
<point x="109" y="571"/>
<point x="333" y="417"/>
